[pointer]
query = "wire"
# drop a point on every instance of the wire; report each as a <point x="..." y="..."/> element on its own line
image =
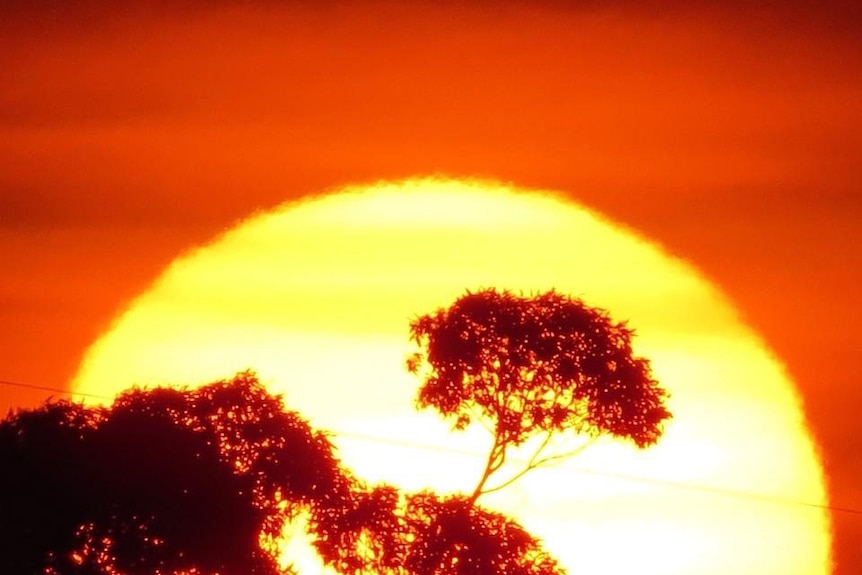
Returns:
<point x="634" y="478"/>
<point x="57" y="390"/>
<point x="627" y="477"/>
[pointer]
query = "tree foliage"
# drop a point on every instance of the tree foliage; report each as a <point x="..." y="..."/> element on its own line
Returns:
<point x="387" y="532"/>
<point x="164" y="481"/>
<point x="204" y="481"/>
<point x="533" y="366"/>
<point x="452" y="535"/>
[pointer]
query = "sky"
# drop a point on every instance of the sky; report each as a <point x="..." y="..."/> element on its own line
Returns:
<point x="730" y="135"/>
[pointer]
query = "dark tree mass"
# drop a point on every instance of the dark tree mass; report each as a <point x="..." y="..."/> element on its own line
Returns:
<point x="211" y="480"/>
<point x="203" y="482"/>
<point x="386" y="532"/>
<point x="164" y="481"/>
<point x="534" y="366"/>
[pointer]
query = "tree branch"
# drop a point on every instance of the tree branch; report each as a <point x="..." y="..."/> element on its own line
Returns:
<point x="535" y="463"/>
<point x="496" y="458"/>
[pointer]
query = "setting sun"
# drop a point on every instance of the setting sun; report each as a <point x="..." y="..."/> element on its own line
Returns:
<point x="317" y="296"/>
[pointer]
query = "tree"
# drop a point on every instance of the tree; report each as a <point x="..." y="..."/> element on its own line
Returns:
<point x="453" y="536"/>
<point x="164" y="481"/>
<point x="203" y="481"/>
<point x="388" y="532"/>
<point x="531" y="367"/>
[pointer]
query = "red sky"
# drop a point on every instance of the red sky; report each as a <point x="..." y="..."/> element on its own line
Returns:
<point x="733" y="136"/>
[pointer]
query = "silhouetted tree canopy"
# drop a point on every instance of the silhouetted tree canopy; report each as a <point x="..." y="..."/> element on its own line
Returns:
<point x="203" y="481"/>
<point x="452" y="535"/>
<point x="533" y="366"/>
<point x="206" y="481"/>
<point x="164" y="481"/>
<point x="386" y="532"/>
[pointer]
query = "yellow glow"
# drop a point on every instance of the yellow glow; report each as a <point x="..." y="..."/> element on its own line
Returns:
<point x="317" y="296"/>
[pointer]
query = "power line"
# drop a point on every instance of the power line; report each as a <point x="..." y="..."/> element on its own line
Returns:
<point x="627" y="477"/>
<point x="54" y="389"/>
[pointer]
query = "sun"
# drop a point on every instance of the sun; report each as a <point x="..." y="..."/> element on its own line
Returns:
<point x="316" y="297"/>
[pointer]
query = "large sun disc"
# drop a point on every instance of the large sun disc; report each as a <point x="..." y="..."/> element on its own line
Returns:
<point x="316" y="297"/>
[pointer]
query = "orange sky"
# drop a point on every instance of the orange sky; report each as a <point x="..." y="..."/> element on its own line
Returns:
<point x="732" y="137"/>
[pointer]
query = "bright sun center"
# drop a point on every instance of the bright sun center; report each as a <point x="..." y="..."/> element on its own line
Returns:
<point x="316" y="297"/>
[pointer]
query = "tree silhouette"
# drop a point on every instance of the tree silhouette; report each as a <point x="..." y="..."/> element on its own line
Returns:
<point x="205" y="481"/>
<point x="531" y="367"/>
<point x="452" y="535"/>
<point x="388" y="532"/>
<point x="164" y="481"/>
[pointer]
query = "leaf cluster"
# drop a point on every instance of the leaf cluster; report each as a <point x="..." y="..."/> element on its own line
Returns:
<point x="387" y="532"/>
<point x="204" y="481"/>
<point x="535" y="364"/>
<point x="163" y="481"/>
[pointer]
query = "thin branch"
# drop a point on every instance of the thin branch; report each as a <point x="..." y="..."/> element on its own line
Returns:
<point x="508" y="482"/>
<point x="530" y="465"/>
<point x="499" y="459"/>
<point x="540" y="448"/>
<point x="566" y="454"/>
<point x="533" y="463"/>
<point x="496" y="457"/>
